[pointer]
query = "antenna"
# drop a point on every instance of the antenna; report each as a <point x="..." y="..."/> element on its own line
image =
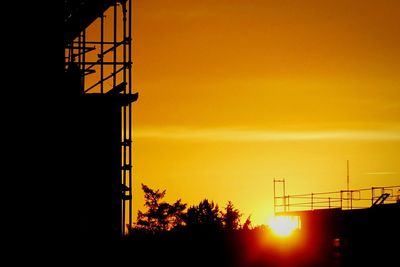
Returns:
<point x="348" y="175"/>
<point x="348" y="183"/>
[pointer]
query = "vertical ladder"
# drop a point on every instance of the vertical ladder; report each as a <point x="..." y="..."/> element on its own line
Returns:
<point x="126" y="115"/>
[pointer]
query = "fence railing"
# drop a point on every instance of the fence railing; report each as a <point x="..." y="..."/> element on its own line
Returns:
<point x="344" y="199"/>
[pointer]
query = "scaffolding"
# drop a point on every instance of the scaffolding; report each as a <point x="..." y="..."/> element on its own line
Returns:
<point x="98" y="43"/>
<point x="343" y="199"/>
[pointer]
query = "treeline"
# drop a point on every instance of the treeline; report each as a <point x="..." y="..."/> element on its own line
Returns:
<point x="175" y="234"/>
<point x="161" y="216"/>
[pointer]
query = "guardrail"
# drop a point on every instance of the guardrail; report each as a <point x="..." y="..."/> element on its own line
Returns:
<point x="343" y="199"/>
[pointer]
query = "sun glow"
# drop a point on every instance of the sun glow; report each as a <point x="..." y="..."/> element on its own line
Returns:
<point x="284" y="225"/>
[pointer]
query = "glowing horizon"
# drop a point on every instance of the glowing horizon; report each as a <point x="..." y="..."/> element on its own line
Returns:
<point x="236" y="93"/>
<point x="219" y="134"/>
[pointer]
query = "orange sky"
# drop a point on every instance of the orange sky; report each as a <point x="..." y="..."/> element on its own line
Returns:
<point x="235" y="93"/>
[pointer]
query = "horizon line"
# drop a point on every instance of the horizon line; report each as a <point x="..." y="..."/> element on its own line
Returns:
<point x="227" y="134"/>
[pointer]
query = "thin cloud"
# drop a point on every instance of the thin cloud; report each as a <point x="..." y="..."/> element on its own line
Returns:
<point x="381" y="173"/>
<point x="217" y="134"/>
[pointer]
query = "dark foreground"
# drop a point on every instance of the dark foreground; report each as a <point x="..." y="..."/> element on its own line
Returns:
<point x="239" y="248"/>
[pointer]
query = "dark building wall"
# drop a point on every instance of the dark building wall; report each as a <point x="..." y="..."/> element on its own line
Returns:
<point x="100" y="174"/>
<point x="364" y="237"/>
<point x="35" y="144"/>
<point x="371" y="235"/>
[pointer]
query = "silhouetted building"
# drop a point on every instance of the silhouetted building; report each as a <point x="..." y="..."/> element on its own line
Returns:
<point x="340" y="236"/>
<point x="98" y="86"/>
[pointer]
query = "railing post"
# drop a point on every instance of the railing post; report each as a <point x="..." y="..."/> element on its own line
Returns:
<point x="341" y="199"/>
<point x="284" y="195"/>
<point x="372" y="195"/>
<point x="312" y="201"/>
<point x="351" y="199"/>
<point x="274" y="199"/>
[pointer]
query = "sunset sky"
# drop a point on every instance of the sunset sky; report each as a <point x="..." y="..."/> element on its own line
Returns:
<point x="235" y="93"/>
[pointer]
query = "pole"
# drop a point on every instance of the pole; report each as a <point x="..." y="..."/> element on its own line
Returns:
<point x="348" y="182"/>
<point x="348" y="176"/>
<point x="284" y="196"/>
<point x="274" y="198"/>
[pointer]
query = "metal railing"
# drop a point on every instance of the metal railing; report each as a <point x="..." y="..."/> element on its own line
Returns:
<point x="343" y="199"/>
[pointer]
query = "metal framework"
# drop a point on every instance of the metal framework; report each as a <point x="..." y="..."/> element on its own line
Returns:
<point x="98" y="39"/>
<point x="276" y="199"/>
<point x="355" y="199"/>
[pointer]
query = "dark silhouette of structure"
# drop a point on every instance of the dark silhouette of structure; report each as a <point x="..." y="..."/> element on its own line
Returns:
<point x="68" y="153"/>
<point x="98" y="84"/>
<point x="347" y="228"/>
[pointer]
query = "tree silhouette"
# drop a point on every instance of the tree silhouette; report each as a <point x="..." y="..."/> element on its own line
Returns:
<point x="160" y="216"/>
<point x="205" y="215"/>
<point x="231" y="217"/>
<point x="177" y="214"/>
<point x="247" y="224"/>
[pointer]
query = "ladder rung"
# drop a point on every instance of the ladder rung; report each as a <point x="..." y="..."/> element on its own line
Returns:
<point x="124" y="187"/>
<point x="126" y="142"/>
<point x="126" y="167"/>
<point x="126" y="197"/>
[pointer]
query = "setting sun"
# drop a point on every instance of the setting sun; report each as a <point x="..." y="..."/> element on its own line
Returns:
<point x="284" y="225"/>
<point x="196" y="133"/>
